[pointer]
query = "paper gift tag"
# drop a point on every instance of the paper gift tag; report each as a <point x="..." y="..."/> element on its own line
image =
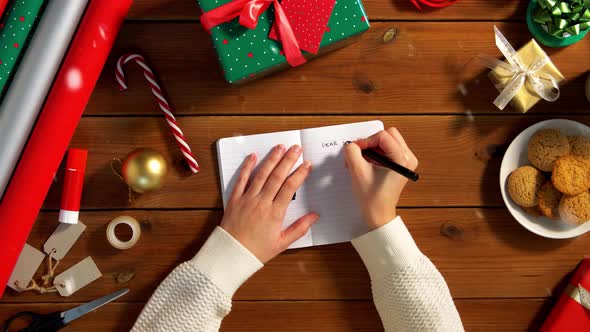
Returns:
<point x="63" y="238"/>
<point x="26" y="266"/>
<point x="308" y="20"/>
<point x="76" y="277"/>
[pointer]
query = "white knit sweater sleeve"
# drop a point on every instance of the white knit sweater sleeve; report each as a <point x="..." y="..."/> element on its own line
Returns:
<point x="409" y="292"/>
<point x="197" y="294"/>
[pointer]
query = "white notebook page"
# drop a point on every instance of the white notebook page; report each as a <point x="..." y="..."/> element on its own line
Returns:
<point x="328" y="187"/>
<point x="233" y="151"/>
<point x="327" y="191"/>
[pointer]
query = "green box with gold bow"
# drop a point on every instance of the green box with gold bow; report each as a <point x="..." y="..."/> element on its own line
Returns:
<point x="242" y="32"/>
<point x="557" y="23"/>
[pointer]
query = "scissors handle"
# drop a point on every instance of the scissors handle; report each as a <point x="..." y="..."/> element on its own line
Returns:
<point x="46" y="323"/>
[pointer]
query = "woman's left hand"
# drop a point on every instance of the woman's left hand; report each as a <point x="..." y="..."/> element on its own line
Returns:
<point x="255" y="212"/>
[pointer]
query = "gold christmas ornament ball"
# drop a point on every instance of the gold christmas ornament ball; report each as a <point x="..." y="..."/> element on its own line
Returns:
<point x="144" y="170"/>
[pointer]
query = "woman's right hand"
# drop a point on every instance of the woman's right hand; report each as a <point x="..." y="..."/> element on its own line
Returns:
<point x="378" y="189"/>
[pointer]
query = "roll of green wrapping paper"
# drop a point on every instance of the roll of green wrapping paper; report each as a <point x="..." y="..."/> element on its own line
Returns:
<point x="16" y="28"/>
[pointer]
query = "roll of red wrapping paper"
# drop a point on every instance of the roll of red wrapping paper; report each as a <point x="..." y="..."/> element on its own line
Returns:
<point x="56" y="125"/>
<point x="2" y="6"/>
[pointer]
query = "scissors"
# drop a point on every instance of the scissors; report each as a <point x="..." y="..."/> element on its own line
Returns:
<point x="58" y="320"/>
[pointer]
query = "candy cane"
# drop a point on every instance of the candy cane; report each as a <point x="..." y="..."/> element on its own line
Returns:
<point x="164" y="106"/>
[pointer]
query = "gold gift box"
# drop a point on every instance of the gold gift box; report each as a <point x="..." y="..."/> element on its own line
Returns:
<point x="526" y="96"/>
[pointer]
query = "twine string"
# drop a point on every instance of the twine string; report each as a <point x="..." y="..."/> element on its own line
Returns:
<point x="48" y="278"/>
<point x="115" y="169"/>
<point x="35" y="288"/>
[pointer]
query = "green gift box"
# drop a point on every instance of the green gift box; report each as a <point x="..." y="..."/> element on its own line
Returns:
<point x="246" y="54"/>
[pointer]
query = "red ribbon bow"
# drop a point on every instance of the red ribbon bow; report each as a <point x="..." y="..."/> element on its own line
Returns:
<point x="433" y="3"/>
<point x="249" y="11"/>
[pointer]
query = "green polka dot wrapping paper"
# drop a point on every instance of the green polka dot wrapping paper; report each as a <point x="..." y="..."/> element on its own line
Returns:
<point x="247" y="54"/>
<point x="16" y="28"/>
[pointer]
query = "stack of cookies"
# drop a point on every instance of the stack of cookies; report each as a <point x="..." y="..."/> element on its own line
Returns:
<point x="557" y="183"/>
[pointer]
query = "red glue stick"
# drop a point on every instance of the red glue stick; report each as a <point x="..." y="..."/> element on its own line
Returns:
<point x="73" y="183"/>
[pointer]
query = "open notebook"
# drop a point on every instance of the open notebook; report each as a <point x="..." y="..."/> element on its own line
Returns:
<point x="327" y="190"/>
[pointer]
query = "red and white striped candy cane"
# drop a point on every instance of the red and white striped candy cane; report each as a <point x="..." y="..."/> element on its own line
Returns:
<point x="164" y="106"/>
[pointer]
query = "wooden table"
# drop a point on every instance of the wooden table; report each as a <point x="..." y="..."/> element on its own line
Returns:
<point x="423" y="82"/>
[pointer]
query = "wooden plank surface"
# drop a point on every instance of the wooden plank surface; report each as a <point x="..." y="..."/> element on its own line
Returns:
<point x="428" y="68"/>
<point x="426" y="82"/>
<point x="463" y="171"/>
<point x="320" y="316"/>
<point x="376" y="9"/>
<point x="482" y="253"/>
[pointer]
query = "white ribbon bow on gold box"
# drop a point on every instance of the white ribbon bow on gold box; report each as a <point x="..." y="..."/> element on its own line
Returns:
<point x="535" y="73"/>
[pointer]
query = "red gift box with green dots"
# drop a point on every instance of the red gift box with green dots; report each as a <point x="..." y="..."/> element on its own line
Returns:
<point x="246" y="54"/>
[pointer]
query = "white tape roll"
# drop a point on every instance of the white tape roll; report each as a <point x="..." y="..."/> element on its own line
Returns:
<point x="114" y="240"/>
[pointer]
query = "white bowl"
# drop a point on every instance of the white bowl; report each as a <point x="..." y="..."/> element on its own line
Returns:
<point x="516" y="156"/>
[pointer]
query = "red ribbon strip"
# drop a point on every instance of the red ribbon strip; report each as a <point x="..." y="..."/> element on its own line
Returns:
<point x="433" y="3"/>
<point x="249" y="11"/>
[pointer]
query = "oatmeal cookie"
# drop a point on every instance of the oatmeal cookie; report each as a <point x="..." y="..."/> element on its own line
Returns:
<point x="549" y="199"/>
<point x="580" y="146"/>
<point x="523" y="185"/>
<point x="571" y="175"/>
<point x="575" y="209"/>
<point x="533" y="211"/>
<point x="545" y="147"/>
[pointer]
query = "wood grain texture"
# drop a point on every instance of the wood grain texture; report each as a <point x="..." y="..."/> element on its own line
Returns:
<point x="428" y="68"/>
<point x="426" y="82"/>
<point x="459" y="156"/>
<point x="482" y="253"/>
<point x="376" y="9"/>
<point x="325" y="316"/>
